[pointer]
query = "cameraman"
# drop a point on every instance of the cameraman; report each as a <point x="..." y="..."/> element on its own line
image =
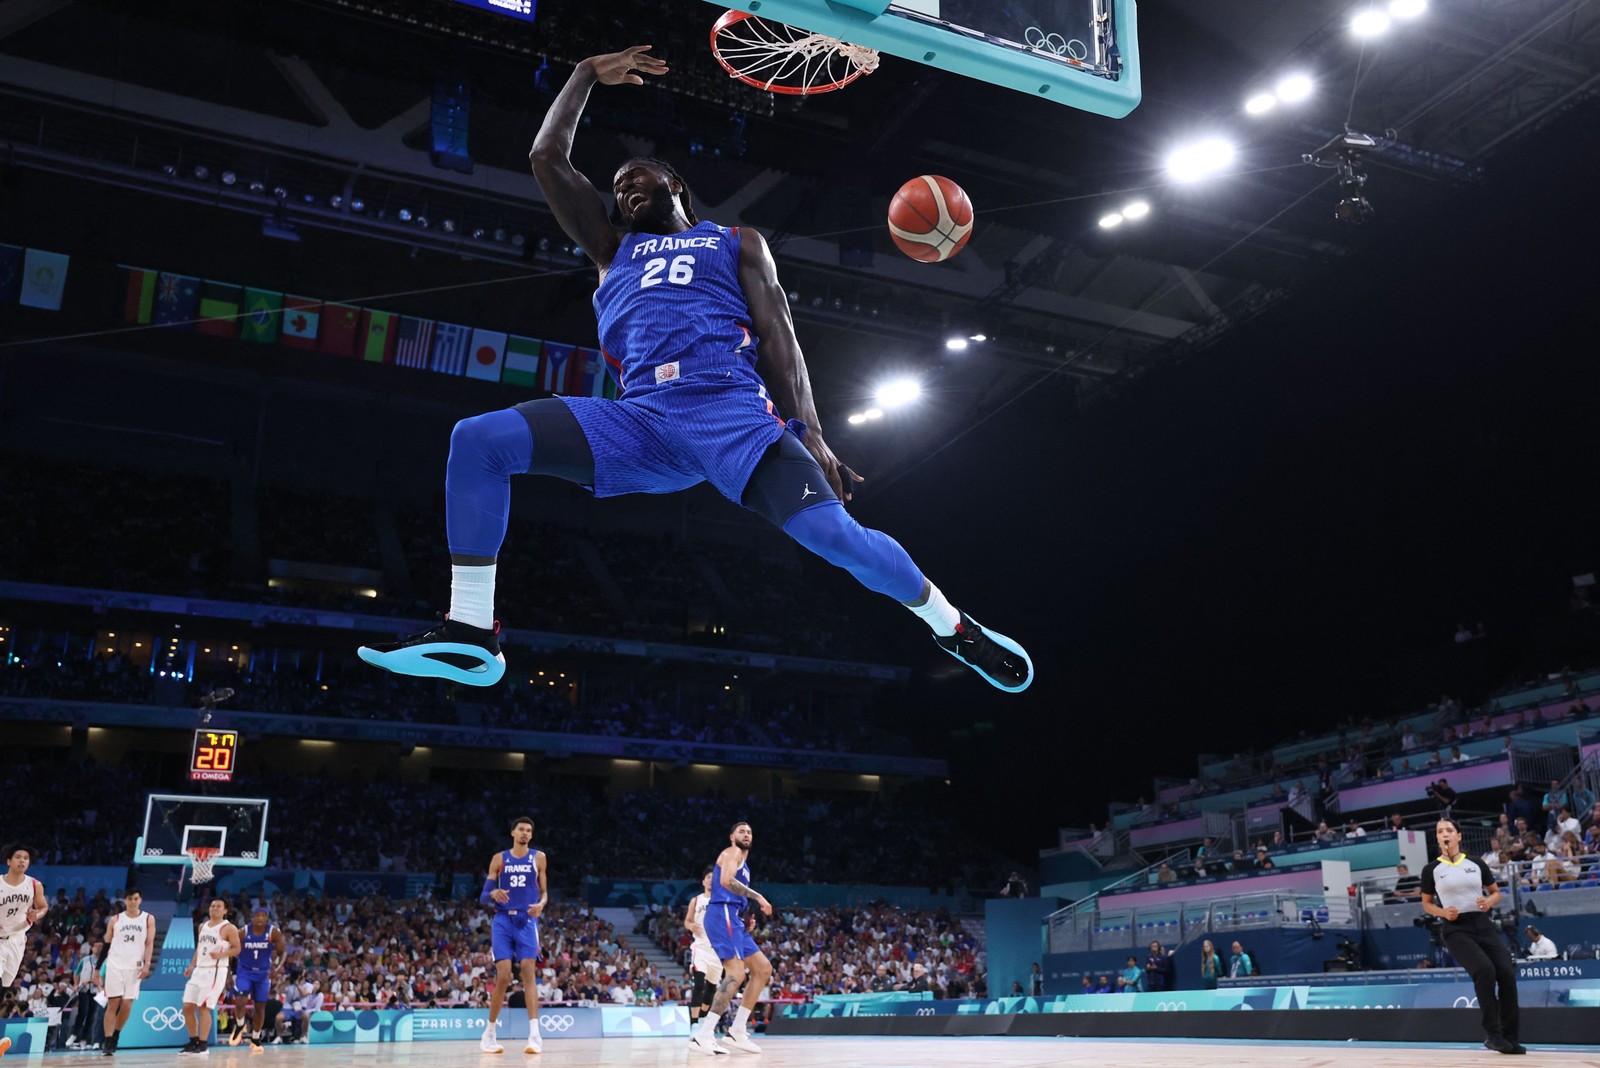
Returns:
<point x="1461" y="892"/>
<point x="1539" y="946"/>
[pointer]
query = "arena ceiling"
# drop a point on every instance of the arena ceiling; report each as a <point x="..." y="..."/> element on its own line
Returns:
<point x="331" y="96"/>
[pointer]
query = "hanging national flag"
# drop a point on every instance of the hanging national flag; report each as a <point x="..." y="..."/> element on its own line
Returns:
<point x="555" y="370"/>
<point x="263" y="314"/>
<point x="339" y="329"/>
<point x="588" y="373"/>
<point x="377" y="341"/>
<point x="10" y="271"/>
<point x="522" y="361"/>
<point x="176" y="298"/>
<point x="485" y="355"/>
<point x="141" y="301"/>
<point x="450" y="343"/>
<point x="219" y="309"/>
<point x="613" y="387"/>
<point x="301" y="317"/>
<point x="416" y="342"/>
<point x="44" y="279"/>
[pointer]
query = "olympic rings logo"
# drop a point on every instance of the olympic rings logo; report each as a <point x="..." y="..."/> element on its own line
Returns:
<point x="557" y="1022"/>
<point x="158" y="1019"/>
<point x="1172" y="1006"/>
<point x="1055" y="44"/>
<point x="1465" y="1003"/>
<point x="364" y="886"/>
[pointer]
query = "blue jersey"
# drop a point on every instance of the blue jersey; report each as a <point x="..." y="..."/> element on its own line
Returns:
<point x="671" y="306"/>
<point x="520" y="879"/>
<point x="255" y="950"/>
<point x="721" y="895"/>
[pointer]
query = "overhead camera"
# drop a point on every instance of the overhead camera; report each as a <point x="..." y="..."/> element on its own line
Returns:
<point x="1341" y="154"/>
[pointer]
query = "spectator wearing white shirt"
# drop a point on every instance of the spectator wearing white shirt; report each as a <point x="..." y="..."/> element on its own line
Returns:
<point x="1539" y="945"/>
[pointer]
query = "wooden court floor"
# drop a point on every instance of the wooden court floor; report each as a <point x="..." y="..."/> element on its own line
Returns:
<point x="828" y="1052"/>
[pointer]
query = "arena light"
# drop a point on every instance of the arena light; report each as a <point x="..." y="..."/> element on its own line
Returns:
<point x="873" y="413"/>
<point x="856" y="419"/>
<point x="1369" y="22"/>
<point x="404" y="215"/>
<point x="1136" y="210"/>
<point x="979" y="337"/>
<point x="956" y="344"/>
<point x="1200" y="158"/>
<point x="1407" y="9"/>
<point x="1293" y="88"/>
<point x="229" y="177"/>
<point x="1111" y="221"/>
<point x="1260" y="104"/>
<point x="897" y="393"/>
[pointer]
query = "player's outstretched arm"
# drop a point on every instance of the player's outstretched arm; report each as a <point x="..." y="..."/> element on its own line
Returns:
<point x="688" y="919"/>
<point x="573" y="200"/>
<point x="783" y="366"/>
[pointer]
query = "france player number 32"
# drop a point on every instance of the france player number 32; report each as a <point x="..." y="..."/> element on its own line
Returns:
<point x="681" y="273"/>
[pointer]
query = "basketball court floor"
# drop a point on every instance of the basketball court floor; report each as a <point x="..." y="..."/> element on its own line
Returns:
<point x="813" y="1052"/>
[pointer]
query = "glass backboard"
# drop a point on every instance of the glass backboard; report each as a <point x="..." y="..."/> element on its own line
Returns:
<point x="176" y="823"/>
<point x="1082" y="53"/>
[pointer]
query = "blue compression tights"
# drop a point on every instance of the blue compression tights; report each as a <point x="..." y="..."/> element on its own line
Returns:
<point x="485" y="451"/>
<point x="875" y="559"/>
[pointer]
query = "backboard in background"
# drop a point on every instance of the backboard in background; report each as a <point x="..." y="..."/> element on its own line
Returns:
<point x="1081" y="53"/>
<point x="174" y="823"/>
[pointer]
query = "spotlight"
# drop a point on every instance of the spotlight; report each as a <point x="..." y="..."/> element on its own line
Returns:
<point x="357" y="205"/>
<point x="897" y="393"/>
<point x="228" y="178"/>
<point x="1260" y="104"/>
<point x="979" y="337"/>
<point x="477" y="234"/>
<point x="309" y="198"/>
<point x="517" y="241"/>
<point x="336" y="202"/>
<point x="449" y="226"/>
<point x="544" y="244"/>
<point x="1107" y="222"/>
<point x="956" y="344"/>
<point x="1199" y="159"/>
<point x="169" y="170"/>
<point x="201" y="172"/>
<point x="1136" y="210"/>
<point x="1407" y="9"/>
<point x="794" y="296"/>
<point x="500" y="233"/>
<point x="280" y="192"/>
<point x="258" y="186"/>
<point x="1293" y="88"/>
<point x="422" y="221"/>
<point x="1369" y="22"/>
<point x="404" y="215"/>
<point x="872" y="413"/>
<point x="857" y="419"/>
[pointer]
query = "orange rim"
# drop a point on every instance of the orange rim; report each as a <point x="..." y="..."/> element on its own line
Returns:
<point x="777" y="58"/>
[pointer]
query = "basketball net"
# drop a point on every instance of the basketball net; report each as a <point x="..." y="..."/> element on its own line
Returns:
<point x="202" y="859"/>
<point x="778" y="58"/>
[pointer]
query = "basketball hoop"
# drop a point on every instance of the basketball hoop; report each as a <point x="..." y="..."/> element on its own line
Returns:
<point x="201" y="860"/>
<point x="779" y="58"/>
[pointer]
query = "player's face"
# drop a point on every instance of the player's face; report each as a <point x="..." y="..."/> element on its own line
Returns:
<point x="706" y="882"/>
<point x="17" y="862"/>
<point x="741" y="836"/>
<point x="644" y="196"/>
<point x="258" y="922"/>
<point x="133" y="900"/>
<point x="219" y="909"/>
<point x="522" y="833"/>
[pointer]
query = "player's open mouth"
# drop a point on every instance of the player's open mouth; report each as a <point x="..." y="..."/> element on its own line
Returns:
<point x="634" y="201"/>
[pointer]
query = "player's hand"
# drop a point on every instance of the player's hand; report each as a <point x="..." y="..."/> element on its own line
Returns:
<point x="764" y="905"/>
<point x="220" y="953"/>
<point x="535" y="910"/>
<point x="1452" y="913"/>
<point x="35" y="915"/>
<point x="500" y="896"/>
<point x="144" y="970"/>
<point x="188" y="970"/>
<point x="839" y="476"/>
<point x="619" y="68"/>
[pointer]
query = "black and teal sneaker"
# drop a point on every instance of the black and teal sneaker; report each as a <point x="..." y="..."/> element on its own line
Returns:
<point x="454" y="651"/>
<point x="1002" y="662"/>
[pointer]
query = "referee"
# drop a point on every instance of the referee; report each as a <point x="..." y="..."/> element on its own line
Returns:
<point x="1461" y="892"/>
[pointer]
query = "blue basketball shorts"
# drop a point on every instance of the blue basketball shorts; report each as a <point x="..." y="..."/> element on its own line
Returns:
<point x="725" y="931"/>
<point x="711" y="427"/>
<point x="258" y="985"/>
<point x="515" y="936"/>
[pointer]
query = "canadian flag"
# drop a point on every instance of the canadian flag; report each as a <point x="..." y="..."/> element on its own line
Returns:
<point x="301" y="316"/>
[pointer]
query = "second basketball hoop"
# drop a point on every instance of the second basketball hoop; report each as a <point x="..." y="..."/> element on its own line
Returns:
<point x="778" y="58"/>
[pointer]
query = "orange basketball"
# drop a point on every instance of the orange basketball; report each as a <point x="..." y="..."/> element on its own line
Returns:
<point x="930" y="218"/>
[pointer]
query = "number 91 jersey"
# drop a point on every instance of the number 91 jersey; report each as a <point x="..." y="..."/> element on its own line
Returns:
<point x="671" y="307"/>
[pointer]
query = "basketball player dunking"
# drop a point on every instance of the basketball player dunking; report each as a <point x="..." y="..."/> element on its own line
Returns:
<point x="261" y="953"/>
<point x="215" y="941"/>
<point x="129" y="940"/>
<point x="22" y="904"/>
<point x="515" y="889"/>
<point x="703" y="960"/>
<point x="728" y="929"/>
<point x="696" y="328"/>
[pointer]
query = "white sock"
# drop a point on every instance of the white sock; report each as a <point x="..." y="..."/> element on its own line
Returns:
<point x="740" y="1019"/>
<point x="472" y="596"/>
<point x="708" y="1023"/>
<point x="937" y="612"/>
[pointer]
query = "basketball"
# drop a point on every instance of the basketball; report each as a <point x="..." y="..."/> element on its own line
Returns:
<point x="930" y="218"/>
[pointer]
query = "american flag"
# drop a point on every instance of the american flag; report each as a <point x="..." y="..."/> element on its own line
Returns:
<point x="416" y="342"/>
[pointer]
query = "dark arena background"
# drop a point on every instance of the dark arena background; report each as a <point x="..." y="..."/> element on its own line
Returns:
<point x="1260" y="406"/>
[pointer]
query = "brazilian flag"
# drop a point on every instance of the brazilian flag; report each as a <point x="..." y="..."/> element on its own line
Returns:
<point x="263" y="314"/>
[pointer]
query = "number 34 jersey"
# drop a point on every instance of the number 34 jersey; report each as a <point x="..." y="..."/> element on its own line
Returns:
<point x="671" y="306"/>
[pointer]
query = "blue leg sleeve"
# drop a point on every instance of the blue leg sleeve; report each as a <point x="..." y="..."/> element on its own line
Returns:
<point x="485" y="451"/>
<point x="875" y="559"/>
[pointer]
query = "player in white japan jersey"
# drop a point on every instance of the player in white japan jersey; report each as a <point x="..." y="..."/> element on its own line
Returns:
<point x="131" y="938"/>
<point x="22" y="904"/>
<point x="215" y="941"/>
<point x="703" y="962"/>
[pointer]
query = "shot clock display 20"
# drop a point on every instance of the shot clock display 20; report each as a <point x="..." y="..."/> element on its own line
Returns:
<point x="215" y="755"/>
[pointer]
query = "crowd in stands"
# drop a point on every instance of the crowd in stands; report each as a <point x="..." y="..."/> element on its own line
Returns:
<point x="175" y="534"/>
<point x="874" y="948"/>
